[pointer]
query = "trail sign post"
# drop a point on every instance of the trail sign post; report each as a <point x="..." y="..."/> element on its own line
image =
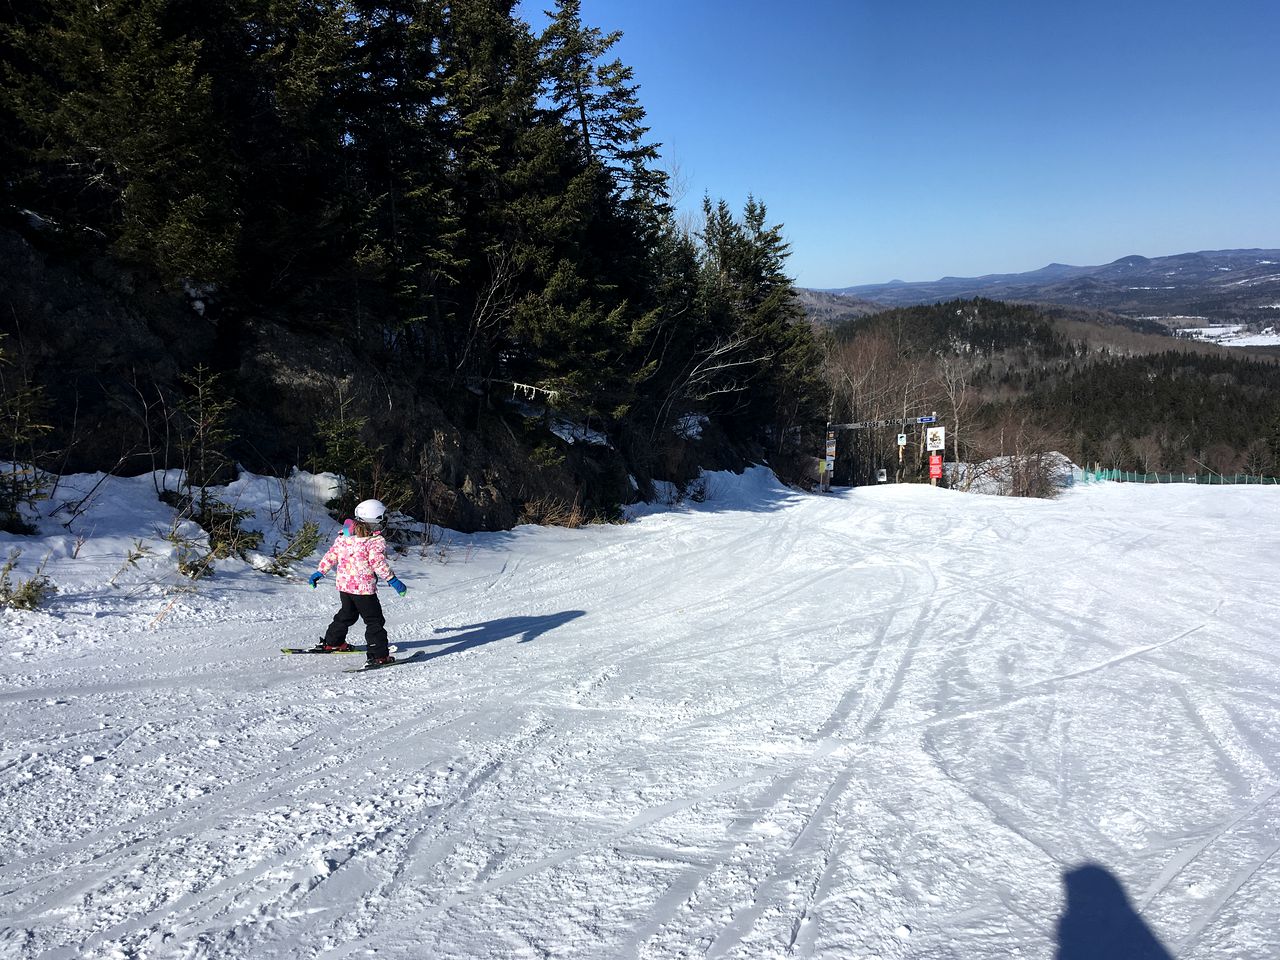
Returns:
<point x="825" y="481"/>
<point x="876" y="424"/>
<point x="935" y="438"/>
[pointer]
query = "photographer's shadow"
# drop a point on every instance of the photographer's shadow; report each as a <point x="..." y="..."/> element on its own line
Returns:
<point x="473" y="635"/>
<point x="1099" y="922"/>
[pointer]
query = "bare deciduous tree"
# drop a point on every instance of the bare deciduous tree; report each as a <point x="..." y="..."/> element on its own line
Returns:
<point x="955" y="374"/>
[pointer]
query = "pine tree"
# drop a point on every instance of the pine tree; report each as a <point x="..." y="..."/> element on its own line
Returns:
<point x="121" y="133"/>
<point x="279" y="71"/>
<point x="396" y="142"/>
<point x="664" y="340"/>
<point x="23" y="409"/>
<point x="769" y="361"/>
<point x="599" y="100"/>
<point x="548" y="238"/>
<point x="505" y="177"/>
<point x="425" y="178"/>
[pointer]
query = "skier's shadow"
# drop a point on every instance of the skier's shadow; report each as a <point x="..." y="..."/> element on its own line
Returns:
<point x="1099" y="923"/>
<point x="478" y="634"/>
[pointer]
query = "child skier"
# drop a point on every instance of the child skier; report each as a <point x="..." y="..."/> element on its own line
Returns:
<point x="360" y="555"/>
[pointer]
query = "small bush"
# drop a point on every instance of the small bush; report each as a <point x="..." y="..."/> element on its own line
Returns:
<point x="1035" y="475"/>
<point x="221" y="523"/>
<point x="21" y="485"/>
<point x="25" y="594"/>
<point x="131" y="558"/>
<point x="302" y="545"/>
<point x="195" y="559"/>
<point x="364" y="469"/>
<point x="204" y="418"/>
<point x="550" y="512"/>
<point x="194" y="564"/>
<point x="700" y="490"/>
<point x="22" y="410"/>
<point x="547" y="455"/>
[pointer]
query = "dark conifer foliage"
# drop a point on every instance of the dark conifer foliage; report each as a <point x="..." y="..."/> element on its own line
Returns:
<point x="428" y="181"/>
<point x="1167" y="411"/>
<point x="123" y="135"/>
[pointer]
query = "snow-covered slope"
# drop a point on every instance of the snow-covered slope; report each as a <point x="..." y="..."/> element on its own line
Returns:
<point x="890" y="722"/>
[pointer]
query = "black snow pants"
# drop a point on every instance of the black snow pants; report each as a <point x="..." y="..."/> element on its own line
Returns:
<point x="364" y="606"/>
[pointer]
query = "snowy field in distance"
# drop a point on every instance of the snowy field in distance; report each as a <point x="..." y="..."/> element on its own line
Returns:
<point x="1232" y="335"/>
<point x="883" y="723"/>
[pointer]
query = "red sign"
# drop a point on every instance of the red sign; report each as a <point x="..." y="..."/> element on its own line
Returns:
<point x="935" y="466"/>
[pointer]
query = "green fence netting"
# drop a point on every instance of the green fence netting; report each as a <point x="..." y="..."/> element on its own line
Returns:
<point x="1129" y="476"/>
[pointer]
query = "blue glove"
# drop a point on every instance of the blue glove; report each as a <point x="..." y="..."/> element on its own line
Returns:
<point x="395" y="584"/>
<point x="316" y="578"/>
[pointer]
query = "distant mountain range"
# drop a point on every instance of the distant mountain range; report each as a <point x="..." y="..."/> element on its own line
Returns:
<point x="1237" y="286"/>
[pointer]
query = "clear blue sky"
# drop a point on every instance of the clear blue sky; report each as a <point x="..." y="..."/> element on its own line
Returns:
<point x="913" y="140"/>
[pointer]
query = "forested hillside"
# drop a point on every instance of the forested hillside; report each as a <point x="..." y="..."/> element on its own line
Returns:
<point x="414" y="239"/>
<point x="1011" y="379"/>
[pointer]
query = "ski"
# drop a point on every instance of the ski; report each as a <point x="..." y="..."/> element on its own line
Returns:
<point x="369" y="667"/>
<point x="326" y="652"/>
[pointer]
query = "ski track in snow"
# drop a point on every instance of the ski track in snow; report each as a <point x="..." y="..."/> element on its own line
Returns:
<point x="881" y="723"/>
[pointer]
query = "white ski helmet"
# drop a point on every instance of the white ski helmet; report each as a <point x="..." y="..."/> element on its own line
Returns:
<point x="371" y="511"/>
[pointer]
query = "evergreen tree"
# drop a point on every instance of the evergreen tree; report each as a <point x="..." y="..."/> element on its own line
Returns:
<point x="121" y="132"/>
<point x="508" y="180"/>
<point x="278" y="71"/>
<point x="599" y="100"/>
<point x="770" y="361"/>
<point x="426" y="179"/>
<point x="577" y="228"/>
<point x="664" y="340"/>
<point x="395" y="141"/>
<point x="1272" y="438"/>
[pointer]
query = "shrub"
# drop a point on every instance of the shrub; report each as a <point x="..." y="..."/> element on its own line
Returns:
<point x="131" y="558"/>
<point x="548" y="511"/>
<point x="1035" y="475"/>
<point x="363" y="469"/>
<point x="222" y="525"/>
<point x="20" y="485"/>
<point x="25" y="594"/>
<point x="22" y="408"/>
<point x="547" y="455"/>
<point x="700" y="489"/>
<point x="301" y="546"/>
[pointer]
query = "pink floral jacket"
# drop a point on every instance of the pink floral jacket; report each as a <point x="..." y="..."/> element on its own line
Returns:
<point x="360" y="561"/>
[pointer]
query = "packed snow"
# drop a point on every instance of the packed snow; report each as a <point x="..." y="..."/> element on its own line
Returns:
<point x="893" y="722"/>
